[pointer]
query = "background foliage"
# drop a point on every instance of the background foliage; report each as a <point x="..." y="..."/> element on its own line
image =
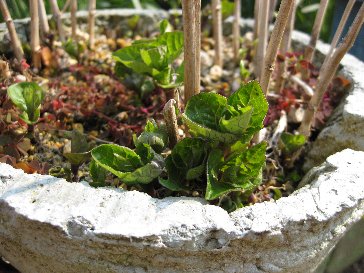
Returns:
<point x="305" y="15"/>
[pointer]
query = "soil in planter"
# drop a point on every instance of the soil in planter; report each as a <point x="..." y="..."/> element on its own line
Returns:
<point x="84" y="93"/>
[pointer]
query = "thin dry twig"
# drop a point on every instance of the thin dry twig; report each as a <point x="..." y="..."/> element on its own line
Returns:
<point x="66" y="6"/>
<point x="58" y="17"/>
<point x="305" y="87"/>
<point x="236" y="31"/>
<point x="15" y="42"/>
<point x="285" y="47"/>
<point x="320" y="16"/>
<point x="217" y="31"/>
<point x="262" y="38"/>
<point x="285" y="9"/>
<point x="326" y="75"/>
<point x="191" y="10"/>
<point x="74" y="20"/>
<point x="91" y="21"/>
<point x="44" y="26"/>
<point x="281" y="127"/>
<point x="340" y="29"/>
<point x="34" y="34"/>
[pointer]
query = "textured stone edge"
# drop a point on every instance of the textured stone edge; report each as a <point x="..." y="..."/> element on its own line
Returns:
<point x="42" y="216"/>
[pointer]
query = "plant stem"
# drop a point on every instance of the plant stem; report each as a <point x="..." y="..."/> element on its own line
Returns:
<point x="285" y="47"/>
<point x="236" y="31"/>
<point x="340" y="29"/>
<point x="74" y="20"/>
<point x="310" y="49"/>
<point x="91" y="21"/>
<point x="169" y="113"/>
<point x="217" y="31"/>
<point x="263" y="37"/>
<point x="58" y="17"/>
<point x="34" y="34"/>
<point x="285" y="9"/>
<point x="17" y="48"/>
<point x="74" y="169"/>
<point x="191" y="10"/>
<point x="44" y="26"/>
<point x="326" y="75"/>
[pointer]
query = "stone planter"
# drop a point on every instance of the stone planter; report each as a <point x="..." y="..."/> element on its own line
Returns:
<point x="50" y="225"/>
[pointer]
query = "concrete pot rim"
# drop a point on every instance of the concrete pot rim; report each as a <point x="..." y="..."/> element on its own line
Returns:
<point x="190" y="224"/>
<point x="351" y="65"/>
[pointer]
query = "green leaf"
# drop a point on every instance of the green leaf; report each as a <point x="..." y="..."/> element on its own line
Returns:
<point x="165" y="26"/>
<point x="240" y="172"/>
<point x="207" y="133"/>
<point x="237" y="124"/>
<point x="154" y="136"/>
<point x="27" y="96"/>
<point x="127" y="164"/>
<point x="98" y="174"/>
<point x="155" y="57"/>
<point x="206" y="109"/>
<point x="79" y="142"/>
<point x="186" y="162"/>
<point x="251" y="95"/>
<point x="174" y="42"/>
<point x="77" y="158"/>
<point x="215" y="188"/>
<point x="292" y="143"/>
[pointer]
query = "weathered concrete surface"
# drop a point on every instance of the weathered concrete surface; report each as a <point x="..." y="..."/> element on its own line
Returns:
<point x="50" y="225"/>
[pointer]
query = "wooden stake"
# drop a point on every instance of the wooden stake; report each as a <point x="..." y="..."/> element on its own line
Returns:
<point x="191" y="10"/>
<point x="263" y="37"/>
<point x="340" y="29"/>
<point x="15" y="42"/>
<point x="217" y="31"/>
<point x="236" y="31"/>
<point x="91" y="21"/>
<point x="58" y="17"/>
<point x="272" y="9"/>
<point x="320" y="16"/>
<point x="326" y="75"/>
<point x="285" y="9"/>
<point x="285" y="47"/>
<point x="66" y="6"/>
<point x="74" y="20"/>
<point x="34" y="34"/>
<point x="44" y="26"/>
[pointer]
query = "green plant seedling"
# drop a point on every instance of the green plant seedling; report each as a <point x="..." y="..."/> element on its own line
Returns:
<point x="80" y="152"/>
<point x="140" y="166"/>
<point x="154" y="58"/>
<point x="74" y="48"/>
<point x="28" y="97"/>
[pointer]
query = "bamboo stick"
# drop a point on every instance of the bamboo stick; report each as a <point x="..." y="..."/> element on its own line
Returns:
<point x="58" y="17"/>
<point x="44" y="26"/>
<point x="34" y="33"/>
<point x="320" y="16"/>
<point x="74" y="20"/>
<point x="285" y="47"/>
<point x="191" y="10"/>
<point x="91" y="21"/>
<point x="15" y="42"/>
<point x="326" y="75"/>
<point x="340" y="29"/>
<point x="285" y="9"/>
<point x="263" y="37"/>
<point x="217" y="31"/>
<point x="236" y="31"/>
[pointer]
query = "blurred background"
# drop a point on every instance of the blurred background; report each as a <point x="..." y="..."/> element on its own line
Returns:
<point x="304" y="22"/>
